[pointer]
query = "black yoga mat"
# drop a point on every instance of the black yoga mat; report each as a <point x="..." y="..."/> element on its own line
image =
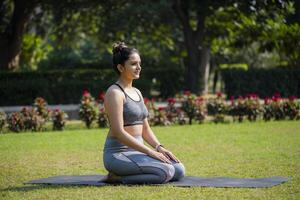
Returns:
<point x="188" y="181"/>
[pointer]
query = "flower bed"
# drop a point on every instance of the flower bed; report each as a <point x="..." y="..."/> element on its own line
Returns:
<point x="184" y="108"/>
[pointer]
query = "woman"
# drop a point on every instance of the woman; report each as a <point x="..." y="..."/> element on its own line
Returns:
<point x="126" y="158"/>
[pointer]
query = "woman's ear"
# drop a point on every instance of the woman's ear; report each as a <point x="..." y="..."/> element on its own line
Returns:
<point x="120" y="68"/>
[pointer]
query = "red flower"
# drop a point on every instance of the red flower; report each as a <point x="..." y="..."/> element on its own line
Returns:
<point x="187" y="93"/>
<point x="101" y="96"/>
<point x="146" y="100"/>
<point x="277" y="95"/>
<point x="86" y="93"/>
<point x="292" y="98"/>
<point x="160" y="108"/>
<point x="219" y="94"/>
<point x="267" y="100"/>
<point x="171" y="100"/>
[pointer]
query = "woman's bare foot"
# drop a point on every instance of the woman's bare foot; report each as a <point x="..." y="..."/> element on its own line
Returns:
<point x="112" y="178"/>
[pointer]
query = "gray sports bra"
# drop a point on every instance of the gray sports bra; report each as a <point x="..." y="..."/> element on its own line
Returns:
<point x="134" y="112"/>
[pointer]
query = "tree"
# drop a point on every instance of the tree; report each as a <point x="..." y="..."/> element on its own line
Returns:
<point x="14" y="20"/>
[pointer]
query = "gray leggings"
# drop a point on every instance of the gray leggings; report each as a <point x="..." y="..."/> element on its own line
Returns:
<point x="135" y="167"/>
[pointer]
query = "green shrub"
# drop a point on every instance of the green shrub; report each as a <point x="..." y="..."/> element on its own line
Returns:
<point x="66" y="86"/>
<point x="2" y="120"/>
<point x="263" y="82"/>
<point x="217" y="108"/>
<point x="15" y="122"/>
<point x="88" y="109"/>
<point x="59" y="119"/>
<point x="32" y="119"/>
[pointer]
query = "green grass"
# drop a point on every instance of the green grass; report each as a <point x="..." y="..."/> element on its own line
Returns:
<point x="250" y="150"/>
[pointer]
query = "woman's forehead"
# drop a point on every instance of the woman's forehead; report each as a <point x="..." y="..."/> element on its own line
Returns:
<point x="134" y="57"/>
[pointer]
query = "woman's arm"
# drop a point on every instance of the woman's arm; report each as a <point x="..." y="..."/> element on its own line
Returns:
<point x="113" y="102"/>
<point x="151" y="139"/>
<point x="148" y="134"/>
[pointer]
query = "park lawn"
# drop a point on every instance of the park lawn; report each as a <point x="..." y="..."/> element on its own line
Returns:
<point x="249" y="150"/>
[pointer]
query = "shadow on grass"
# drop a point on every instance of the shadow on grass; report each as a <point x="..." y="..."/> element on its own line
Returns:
<point x="28" y="188"/>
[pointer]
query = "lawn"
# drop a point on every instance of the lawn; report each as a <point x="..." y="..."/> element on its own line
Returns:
<point x="250" y="150"/>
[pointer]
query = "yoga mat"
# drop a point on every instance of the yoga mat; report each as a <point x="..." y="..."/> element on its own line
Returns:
<point x="188" y="181"/>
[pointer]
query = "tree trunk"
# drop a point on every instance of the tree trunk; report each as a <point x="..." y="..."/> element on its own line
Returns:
<point x="197" y="69"/>
<point x="11" y="38"/>
<point x="204" y="70"/>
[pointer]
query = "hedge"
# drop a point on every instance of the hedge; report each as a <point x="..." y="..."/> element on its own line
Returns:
<point x="264" y="82"/>
<point x="66" y="86"/>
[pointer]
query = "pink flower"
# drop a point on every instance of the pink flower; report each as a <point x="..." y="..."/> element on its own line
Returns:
<point x="86" y="93"/>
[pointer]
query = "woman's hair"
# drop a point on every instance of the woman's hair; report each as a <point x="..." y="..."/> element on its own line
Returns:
<point x="121" y="53"/>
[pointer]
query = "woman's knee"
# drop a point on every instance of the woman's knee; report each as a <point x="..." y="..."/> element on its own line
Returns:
<point x="179" y="171"/>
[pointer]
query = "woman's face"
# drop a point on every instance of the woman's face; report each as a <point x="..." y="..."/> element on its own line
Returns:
<point x="132" y="67"/>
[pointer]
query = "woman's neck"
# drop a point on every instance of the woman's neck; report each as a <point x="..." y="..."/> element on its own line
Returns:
<point x="125" y="83"/>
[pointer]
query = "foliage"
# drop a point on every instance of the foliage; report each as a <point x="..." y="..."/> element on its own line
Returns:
<point x="237" y="109"/>
<point x="15" y="122"/>
<point x="88" y="109"/>
<point x="188" y="105"/>
<point x="32" y="119"/>
<point x="217" y="107"/>
<point x="2" y="120"/>
<point x="292" y="108"/>
<point x="263" y="82"/>
<point x="34" y="50"/>
<point x="171" y="110"/>
<point x="59" y="119"/>
<point x="66" y="86"/>
<point x="102" y="118"/>
<point x="41" y="108"/>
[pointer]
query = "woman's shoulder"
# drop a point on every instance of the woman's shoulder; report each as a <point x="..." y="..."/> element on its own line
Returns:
<point x="114" y="91"/>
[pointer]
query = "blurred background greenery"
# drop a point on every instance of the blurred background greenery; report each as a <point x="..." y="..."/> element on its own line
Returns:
<point x="57" y="49"/>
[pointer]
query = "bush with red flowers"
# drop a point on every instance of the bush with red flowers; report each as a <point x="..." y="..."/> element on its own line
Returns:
<point x="237" y="108"/>
<point x="277" y="107"/>
<point x="88" y="109"/>
<point x="292" y="108"/>
<point x="267" y="109"/>
<point x="2" y="120"/>
<point x="253" y="107"/>
<point x="102" y="118"/>
<point x="217" y="108"/>
<point x="15" y="122"/>
<point x="189" y="105"/>
<point x="200" y="109"/>
<point x="32" y="119"/>
<point x="59" y="119"/>
<point x="160" y="117"/>
<point x="40" y="106"/>
<point x="171" y="110"/>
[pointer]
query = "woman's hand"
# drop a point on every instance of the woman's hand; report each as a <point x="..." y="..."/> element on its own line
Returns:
<point x="168" y="154"/>
<point x="159" y="156"/>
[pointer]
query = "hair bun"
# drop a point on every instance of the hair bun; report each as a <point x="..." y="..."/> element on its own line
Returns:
<point x="118" y="47"/>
